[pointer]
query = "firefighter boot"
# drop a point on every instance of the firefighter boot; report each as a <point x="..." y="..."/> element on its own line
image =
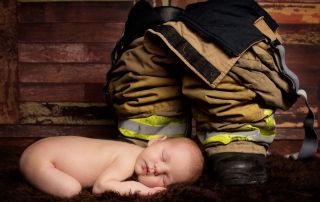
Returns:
<point x="237" y="168"/>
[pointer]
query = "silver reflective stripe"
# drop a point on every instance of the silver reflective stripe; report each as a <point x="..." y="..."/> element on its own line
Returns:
<point x="254" y="135"/>
<point x="169" y="129"/>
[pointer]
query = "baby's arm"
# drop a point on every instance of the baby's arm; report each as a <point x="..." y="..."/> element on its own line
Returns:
<point x="125" y="188"/>
<point x="112" y="179"/>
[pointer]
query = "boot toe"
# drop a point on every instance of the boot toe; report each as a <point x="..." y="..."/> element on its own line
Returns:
<point x="238" y="168"/>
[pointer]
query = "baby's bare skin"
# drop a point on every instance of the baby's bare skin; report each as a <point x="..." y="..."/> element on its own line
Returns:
<point x="84" y="159"/>
<point x="62" y="166"/>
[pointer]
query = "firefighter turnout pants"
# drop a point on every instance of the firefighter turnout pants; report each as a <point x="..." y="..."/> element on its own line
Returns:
<point x="171" y="74"/>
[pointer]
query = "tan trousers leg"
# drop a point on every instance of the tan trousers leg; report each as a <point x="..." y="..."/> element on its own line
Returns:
<point x="148" y="81"/>
<point x="237" y="115"/>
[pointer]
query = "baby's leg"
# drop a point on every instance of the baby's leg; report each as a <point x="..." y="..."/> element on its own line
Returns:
<point x="51" y="180"/>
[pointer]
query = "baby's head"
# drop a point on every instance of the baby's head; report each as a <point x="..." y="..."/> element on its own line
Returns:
<point x="168" y="161"/>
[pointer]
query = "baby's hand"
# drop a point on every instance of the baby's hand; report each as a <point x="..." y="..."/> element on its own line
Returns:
<point x="151" y="191"/>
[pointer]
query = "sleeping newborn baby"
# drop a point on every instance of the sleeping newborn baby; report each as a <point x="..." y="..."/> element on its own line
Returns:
<point x="62" y="166"/>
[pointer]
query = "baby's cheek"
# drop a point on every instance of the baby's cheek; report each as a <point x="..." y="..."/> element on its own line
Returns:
<point x="151" y="181"/>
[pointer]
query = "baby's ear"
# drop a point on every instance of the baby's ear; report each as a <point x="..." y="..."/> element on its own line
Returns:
<point x="156" y="140"/>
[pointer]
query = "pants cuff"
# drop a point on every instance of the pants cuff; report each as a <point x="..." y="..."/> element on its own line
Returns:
<point x="238" y="146"/>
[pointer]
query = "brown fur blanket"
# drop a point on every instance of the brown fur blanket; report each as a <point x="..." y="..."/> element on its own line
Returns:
<point x="288" y="181"/>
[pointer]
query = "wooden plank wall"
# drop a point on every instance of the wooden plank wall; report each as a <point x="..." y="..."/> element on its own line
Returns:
<point x="8" y="63"/>
<point x="60" y="52"/>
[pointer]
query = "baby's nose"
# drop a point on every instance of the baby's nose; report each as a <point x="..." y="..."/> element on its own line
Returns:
<point x="159" y="169"/>
<point x="153" y="170"/>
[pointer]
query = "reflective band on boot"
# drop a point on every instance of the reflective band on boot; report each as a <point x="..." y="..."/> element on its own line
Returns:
<point x="153" y="127"/>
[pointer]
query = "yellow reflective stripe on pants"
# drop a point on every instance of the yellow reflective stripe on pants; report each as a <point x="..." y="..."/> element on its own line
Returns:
<point x="153" y="127"/>
<point x="156" y="120"/>
<point x="264" y="133"/>
<point x="268" y="129"/>
<point x="270" y="121"/>
<point x="227" y="137"/>
<point x="136" y="135"/>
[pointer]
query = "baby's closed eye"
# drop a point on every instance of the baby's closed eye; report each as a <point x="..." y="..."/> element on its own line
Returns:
<point x="163" y="156"/>
<point x="164" y="180"/>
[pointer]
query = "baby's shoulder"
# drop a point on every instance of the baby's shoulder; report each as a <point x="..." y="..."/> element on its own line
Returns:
<point x="120" y="144"/>
<point x="124" y="150"/>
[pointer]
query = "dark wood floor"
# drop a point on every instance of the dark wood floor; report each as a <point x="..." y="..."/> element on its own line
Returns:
<point x="288" y="181"/>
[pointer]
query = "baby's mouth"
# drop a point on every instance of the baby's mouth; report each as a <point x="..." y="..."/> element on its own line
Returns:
<point x="149" y="170"/>
<point x="145" y="169"/>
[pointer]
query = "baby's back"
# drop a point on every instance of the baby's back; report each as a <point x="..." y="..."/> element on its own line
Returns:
<point x="83" y="158"/>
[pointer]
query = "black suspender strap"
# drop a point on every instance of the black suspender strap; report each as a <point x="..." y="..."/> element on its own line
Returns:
<point x="310" y="143"/>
